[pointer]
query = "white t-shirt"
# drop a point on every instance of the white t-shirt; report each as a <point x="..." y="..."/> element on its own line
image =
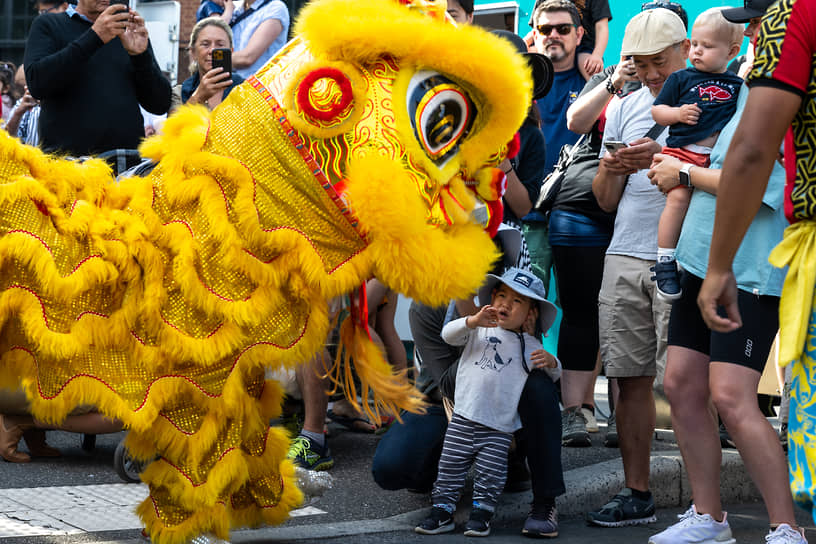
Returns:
<point x="641" y="204"/>
<point x="242" y="32"/>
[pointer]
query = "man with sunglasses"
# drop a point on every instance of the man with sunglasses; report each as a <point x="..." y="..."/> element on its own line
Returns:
<point x="557" y="32"/>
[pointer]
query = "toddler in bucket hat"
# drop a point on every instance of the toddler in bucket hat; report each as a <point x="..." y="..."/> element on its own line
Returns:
<point x="526" y="284"/>
<point x="498" y="355"/>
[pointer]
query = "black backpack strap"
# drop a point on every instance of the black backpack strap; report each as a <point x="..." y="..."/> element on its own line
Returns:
<point x="247" y="12"/>
<point x="655" y="132"/>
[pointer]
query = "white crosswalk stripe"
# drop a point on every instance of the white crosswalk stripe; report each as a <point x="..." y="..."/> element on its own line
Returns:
<point x="73" y="510"/>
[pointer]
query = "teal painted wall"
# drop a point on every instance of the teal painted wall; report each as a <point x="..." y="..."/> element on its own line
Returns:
<point x="622" y="12"/>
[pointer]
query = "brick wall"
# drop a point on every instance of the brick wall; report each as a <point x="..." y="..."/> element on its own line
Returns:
<point x="188" y="20"/>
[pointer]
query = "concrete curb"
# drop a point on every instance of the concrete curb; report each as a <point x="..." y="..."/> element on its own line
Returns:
<point x="592" y="486"/>
<point x="587" y="487"/>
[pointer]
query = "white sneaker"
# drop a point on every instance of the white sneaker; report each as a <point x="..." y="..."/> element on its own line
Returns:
<point x="696" y="528"/>
<point x="785" y="534"/>
<point x="591" y="422"/>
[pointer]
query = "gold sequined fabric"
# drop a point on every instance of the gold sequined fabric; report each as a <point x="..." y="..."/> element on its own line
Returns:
<point x="163" y="300"/>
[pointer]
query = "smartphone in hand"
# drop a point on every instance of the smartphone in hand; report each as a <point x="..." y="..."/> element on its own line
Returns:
<point x="222" y="58"/>
<point x="125" y="3"/>
<point x="613" y="146"/>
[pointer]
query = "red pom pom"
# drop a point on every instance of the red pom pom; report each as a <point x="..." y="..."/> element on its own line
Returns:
<point x="346" y="94"/>
<point x="514" y="146"/>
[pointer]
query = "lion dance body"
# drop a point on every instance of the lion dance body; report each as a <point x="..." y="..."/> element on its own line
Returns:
<point x="360" y="150"/>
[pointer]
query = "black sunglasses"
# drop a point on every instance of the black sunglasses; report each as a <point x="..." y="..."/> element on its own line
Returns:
<point x="563" y="29"/>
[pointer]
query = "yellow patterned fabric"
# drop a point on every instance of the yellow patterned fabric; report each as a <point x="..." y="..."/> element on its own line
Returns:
<point x="163" y="300"/>
<point x="802" y="424"/>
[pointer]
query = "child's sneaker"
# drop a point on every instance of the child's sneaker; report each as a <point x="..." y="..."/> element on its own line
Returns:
<point x="668" y="280"/>
<point x="542" y="522"/>
<point x="440" y="521"/>
<point x="785" y="534"/>
<point x="310" y="456"/>
<point x="479" y="522"/>
<point x="624" y="509"/>
<point x="699" y="529"/>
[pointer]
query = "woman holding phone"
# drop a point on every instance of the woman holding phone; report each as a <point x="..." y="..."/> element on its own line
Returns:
<point x="209" y="84"/>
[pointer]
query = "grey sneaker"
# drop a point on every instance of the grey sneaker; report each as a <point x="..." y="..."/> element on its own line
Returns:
<point x="542" y="522"/>
<point x="624" y="509"/>
<point x="611" y="438"/>
<point x="574" y="433"/>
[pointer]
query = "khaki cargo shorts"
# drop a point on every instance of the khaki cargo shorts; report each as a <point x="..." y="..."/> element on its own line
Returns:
<point x="633" y="320"/>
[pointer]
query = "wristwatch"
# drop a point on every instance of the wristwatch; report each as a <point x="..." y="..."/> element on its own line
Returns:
<point x="685" y="177"/>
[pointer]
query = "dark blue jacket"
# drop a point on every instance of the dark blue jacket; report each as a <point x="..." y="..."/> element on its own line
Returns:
<point x="190" y="84"/>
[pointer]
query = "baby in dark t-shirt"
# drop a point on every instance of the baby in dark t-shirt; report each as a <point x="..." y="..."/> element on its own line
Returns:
<point x="695" y="104"/>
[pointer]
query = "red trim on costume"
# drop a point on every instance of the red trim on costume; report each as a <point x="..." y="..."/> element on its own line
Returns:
<point x="21" y="231"/>
<point x="496" y="215"/>
<point x="514" y="146"/>
<point x="346" y="94"/>
<point x="300" y="146"/>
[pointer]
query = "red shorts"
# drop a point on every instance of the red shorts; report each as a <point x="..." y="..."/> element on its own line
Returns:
<point x="697" y="159"/>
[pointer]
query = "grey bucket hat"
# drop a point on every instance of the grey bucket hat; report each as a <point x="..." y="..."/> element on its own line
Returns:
<point x="524" y="283"/>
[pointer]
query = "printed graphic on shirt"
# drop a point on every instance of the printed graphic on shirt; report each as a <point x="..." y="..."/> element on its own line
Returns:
<point x="714" y="93"/>
<point x="490" y="356"/>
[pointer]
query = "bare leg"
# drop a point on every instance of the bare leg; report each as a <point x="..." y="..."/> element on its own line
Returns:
<point x="394" y="348"/>
<point x="671" y="220"/>
<point x="574" y="386"/>
<point x="313" y="384"/>
<point x="589" y="394"/>
<point x="733" y="390"/>
<point x="635" y="416"/>
<point x="687" y="387"/>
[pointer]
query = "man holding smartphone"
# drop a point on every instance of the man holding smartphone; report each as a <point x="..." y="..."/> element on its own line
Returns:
<point x="91" y="67"/>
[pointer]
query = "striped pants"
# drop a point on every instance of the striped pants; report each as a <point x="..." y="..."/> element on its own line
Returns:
<point x="466" y="441"/>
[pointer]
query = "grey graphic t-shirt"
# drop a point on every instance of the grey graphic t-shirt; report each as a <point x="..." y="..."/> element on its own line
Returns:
<point x="491" y="375"/>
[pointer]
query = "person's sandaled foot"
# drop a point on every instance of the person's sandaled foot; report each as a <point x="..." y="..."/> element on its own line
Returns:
<point x="352" y="423"/>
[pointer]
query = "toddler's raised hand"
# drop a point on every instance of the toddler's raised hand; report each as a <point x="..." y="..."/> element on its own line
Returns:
<point x="487" y="316"/>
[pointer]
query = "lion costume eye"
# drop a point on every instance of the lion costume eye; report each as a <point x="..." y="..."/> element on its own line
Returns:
<point x="441" y="114"/>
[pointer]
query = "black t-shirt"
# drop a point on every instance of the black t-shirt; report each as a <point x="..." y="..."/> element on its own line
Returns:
<point x="715" y="94"/>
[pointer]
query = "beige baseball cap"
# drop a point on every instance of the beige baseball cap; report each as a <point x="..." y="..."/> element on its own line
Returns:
<point x="651" y="31"/>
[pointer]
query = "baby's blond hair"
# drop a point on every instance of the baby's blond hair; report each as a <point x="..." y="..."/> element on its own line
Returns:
<point x="723" y="28"/>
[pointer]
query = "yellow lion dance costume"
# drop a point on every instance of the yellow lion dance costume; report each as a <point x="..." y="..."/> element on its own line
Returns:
<point x="360" y="150"/>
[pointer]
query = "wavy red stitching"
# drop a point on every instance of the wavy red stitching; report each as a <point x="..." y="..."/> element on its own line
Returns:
<point x="20" y="231"/>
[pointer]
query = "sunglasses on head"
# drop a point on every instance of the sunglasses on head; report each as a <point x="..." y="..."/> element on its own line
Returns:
<point x="563" y="29"/>
<point x="672" y="6"/>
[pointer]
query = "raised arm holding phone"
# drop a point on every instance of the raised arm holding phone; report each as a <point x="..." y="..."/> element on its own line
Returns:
<point x="212" y="77"/>
<point x="91" y="67"/>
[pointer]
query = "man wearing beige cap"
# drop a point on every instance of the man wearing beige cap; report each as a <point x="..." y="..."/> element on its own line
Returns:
<point x="633" y="320"/>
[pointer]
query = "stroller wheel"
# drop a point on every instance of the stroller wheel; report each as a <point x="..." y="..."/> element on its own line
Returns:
<point x="126" y="466"/>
